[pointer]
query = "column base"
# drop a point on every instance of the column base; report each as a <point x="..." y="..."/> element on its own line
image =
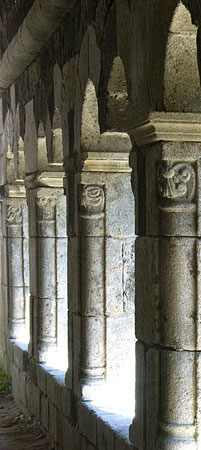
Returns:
<point x="91" y="388"/>
<point x="17" y="329"/>
<point x="177" y="437"/>
<point x="46" y="353"/>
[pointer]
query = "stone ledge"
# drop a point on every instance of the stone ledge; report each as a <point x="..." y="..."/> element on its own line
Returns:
<point x="112" y="156"/>
<point x="168" y="126"/>
<point x="20" y="354"/>
<point x="107" y="427"/>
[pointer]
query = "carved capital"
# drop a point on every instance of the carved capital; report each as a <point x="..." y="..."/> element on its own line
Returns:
<point x="14" y="215"/>
<point x="91" y="199"/>
<point x="46" y="208"/>
<point x="176" y="180"/>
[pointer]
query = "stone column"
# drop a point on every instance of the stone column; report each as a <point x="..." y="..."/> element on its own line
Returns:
<point x="16" y="261"/>
<point x="48" y="268"/>
<point x="3" y="290"/>
<point x="168" y="326"/>
<point x="101" y="239"/>
<point x="91" y="198"/>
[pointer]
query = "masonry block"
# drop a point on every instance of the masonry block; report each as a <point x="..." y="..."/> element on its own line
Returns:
<point x="105" y="436"/>
<point x="33" y="394"/>
<point x="87" y="422"/>
<point x="42" y="378"/>
<point x="44" y="412"/>
<point x="53" y="423"/>
<point x="23" y="388"/>
<point x="67" y="402"/>
<point x="121" y="444"/>
<point x="20" y="356"/>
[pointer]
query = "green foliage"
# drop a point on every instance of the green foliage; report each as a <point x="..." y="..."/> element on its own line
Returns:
<point x="5" y="383"/>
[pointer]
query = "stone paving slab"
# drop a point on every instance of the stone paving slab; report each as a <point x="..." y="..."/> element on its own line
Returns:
<point x="18" y="432"/>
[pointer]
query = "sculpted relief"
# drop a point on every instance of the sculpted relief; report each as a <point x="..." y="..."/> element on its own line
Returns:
<point x="176" y="180"/>
<point x="14" y="215"/>
<point x="91" y="199"/>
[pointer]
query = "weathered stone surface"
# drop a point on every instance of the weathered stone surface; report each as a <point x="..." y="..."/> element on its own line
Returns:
<point x="44" y="412"/>
<point x="48" y="277"/>
<point x="87" y="423"/>
<point x="137" y="431"/>
<point x="152" y="395"/>
<point x="171" y="299"/>
<point x="105" y="436"/>
<point x="178" y="372"/>
<point x="120" y="351"/>
<point x="92" y="276"/>
<point x="119" y="207"/>
<point x="53" y="425"/>
<point x="181" y="52"/>
<point x="112" y="68"/>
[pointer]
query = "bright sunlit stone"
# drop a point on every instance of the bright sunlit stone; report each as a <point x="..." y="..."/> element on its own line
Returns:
<point x="117" y="396"/>
<point x="57" y="360"/>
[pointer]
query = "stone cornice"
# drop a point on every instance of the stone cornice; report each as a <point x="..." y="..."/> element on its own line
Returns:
<point x="111" y="156"/>
<point x="166" y="126"/>
<point x="16" y="190"/>
<point x="97" y="162"/>
<point x="44" y="179"/>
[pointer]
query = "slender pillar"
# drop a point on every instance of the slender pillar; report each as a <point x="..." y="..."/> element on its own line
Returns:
<point x="91" y="230"/>
<point x="167" y="186"/>
<point x="48" y="269"/>
<point x="3" y="290"/>
<point x="16" y="270"/>
<point x="101" y="247"/>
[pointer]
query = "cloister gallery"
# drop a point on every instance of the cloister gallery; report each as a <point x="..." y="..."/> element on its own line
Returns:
<point x="100" y="213"/>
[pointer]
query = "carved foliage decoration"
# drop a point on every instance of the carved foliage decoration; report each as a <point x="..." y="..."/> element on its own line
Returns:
<point x="176" y="180"/>
<point x="14" y="215"/>
<point x="91" y="199"/>
<point x="46" y="208"/>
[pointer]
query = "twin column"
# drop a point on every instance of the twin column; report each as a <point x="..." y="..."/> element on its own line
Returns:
<point x="168" y="307"/>
<point x="100" y="256"/>
<point x="48" y="269"/>
<point x="15" y="279"/>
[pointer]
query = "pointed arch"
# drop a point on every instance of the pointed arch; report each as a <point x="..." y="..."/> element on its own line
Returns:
<point x="42" y="148"/>
<point x="57" y="139"/>
<point x="90" y="131"/>
<point x="117" y="116"/>
<point x="181" y="77"/>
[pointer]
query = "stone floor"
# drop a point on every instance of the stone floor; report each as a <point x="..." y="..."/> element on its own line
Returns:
<point x="18" y="432"/>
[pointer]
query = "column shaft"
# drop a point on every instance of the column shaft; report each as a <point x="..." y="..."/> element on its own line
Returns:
<point x="167" y="297"/>
<point x="48" y="272"/>
<point x="101" y="269"/>
<point x="16" y="241"/>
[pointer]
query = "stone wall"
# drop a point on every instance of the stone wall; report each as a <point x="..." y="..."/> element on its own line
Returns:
<point x="83" y="87"/>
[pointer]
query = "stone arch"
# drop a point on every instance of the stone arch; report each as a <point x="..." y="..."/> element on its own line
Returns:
<point x="90" y="132"/>
<point x="181" y="77"/>
<point x="30" y="139"/>
<point x="120" y="323"/>
<point x="88" y="75"/>
<point x="20" y="160"/>
<point x="18" y="145"/>
<point x="57" y="139"/>
<point x="112" y="146"/>
<point x="118" y="115"/>
<point x="42" y="148"/>
<point x="47" y="214"/>
<point x="15" y="226"/>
